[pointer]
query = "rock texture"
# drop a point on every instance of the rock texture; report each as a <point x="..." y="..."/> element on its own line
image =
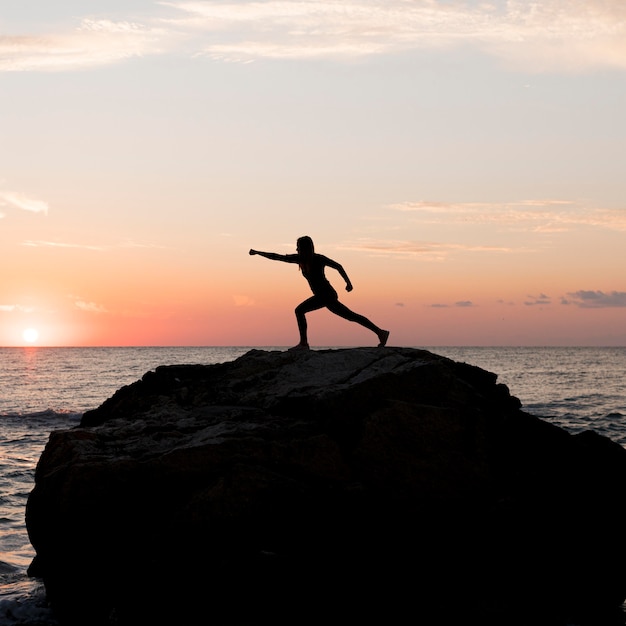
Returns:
<point x="337" y="487"/>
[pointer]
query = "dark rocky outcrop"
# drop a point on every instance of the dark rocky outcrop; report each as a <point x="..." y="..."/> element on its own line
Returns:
<point x="334" y="486"/>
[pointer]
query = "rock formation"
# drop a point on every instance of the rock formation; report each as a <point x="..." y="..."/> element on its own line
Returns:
<point x="333" y="486"/>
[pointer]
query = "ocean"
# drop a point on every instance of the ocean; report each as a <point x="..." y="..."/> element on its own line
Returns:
<point x="45" y="389"/>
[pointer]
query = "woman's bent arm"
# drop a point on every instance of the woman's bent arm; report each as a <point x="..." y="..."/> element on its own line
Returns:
<point x="341" y="271"/>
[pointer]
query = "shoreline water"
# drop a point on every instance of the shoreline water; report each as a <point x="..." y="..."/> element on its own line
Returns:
<point x="44" y="389"/>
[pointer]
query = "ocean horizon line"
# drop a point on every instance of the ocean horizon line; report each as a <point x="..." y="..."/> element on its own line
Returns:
<point x="320" y="347"/>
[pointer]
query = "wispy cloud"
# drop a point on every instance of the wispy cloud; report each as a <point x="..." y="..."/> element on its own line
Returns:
<point x="540" y="300"/>
<point x="17" y="200"/>
<point x="596" y="299"/>
<point x="57" y="244"/>
<point x="461" y="304"/>
<point x="461" y="228"/>
<point x="9" y="308"/>
<point x="532" y="215"/>
<point x="552" y="35"/>
<point x="89" y="307"/>
<point x="430" y="251"/>
<point x="129" y="244"/>
<point x="92" y="43"/>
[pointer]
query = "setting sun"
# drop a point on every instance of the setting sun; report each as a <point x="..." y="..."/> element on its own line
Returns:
<point x="30" y="335"/>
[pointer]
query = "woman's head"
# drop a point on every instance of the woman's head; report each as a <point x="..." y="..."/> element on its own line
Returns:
<point x="305" y="248"/>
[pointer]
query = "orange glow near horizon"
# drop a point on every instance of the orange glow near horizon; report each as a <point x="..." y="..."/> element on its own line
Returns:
<point x="270" y="321"/>
<point x="250" y="301"/>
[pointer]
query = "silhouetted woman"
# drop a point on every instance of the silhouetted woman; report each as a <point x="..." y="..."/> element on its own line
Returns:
<point x="312" y="266"/>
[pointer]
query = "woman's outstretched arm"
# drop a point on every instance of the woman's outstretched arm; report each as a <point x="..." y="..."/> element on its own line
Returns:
<point x="273" y="256"/>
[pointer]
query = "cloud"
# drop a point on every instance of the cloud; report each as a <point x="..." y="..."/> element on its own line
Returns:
<point x="55" y="244"/>
<point x="8" y="308"/>
<point x="539" y="300"/>
<point x="486" y="228"/>
<point x="461" y="304"/>
<point x="570" y="35"/>
<point x="596" y="299"/>
<point x="552" y="35"/>
<point x="21" y="201"/>
<point x="90" y="307"/>
<point x="127" y="244"/>
<point x="93" y="43"/>
<point x="540" y="216"/>
<point x="429" y="251"/>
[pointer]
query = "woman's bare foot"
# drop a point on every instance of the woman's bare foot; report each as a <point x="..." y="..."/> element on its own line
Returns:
<point x="382" y="337"/>
<point x="300" y="346"/>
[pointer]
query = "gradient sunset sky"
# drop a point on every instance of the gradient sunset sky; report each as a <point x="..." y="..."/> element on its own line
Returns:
<point x="464" y="161"/>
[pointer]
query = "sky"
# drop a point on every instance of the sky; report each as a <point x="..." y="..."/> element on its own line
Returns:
<point x="463" y="160"/>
